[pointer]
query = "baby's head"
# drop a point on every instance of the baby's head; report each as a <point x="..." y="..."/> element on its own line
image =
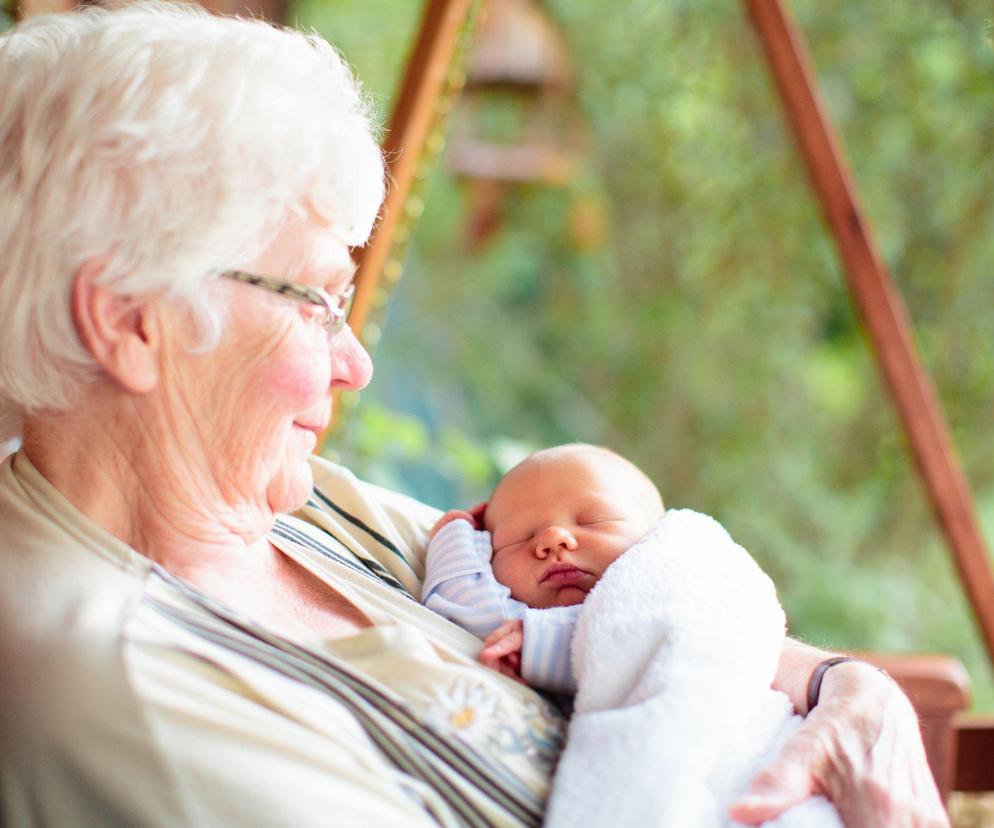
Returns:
<point x="562" y="516"/>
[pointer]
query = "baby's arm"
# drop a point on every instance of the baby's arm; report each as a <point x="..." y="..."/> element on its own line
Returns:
<point x="546" y="659"/>
<point x="459" y="583"/>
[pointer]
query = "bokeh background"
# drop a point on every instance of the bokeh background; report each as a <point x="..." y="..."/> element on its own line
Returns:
<point x="677" y="297"/>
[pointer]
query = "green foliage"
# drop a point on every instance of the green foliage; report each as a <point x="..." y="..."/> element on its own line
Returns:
<point x="682" y="302"/>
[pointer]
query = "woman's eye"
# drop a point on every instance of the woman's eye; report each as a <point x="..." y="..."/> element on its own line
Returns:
<point x="313" y="315"/>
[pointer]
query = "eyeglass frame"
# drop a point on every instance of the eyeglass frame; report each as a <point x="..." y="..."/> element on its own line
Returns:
<point x="336" y="306"/>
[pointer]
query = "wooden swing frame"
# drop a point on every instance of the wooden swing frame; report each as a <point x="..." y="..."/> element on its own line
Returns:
<point x="959" y="749"/>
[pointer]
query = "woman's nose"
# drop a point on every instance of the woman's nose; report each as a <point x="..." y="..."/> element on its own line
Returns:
<point x="351" y="367"/>
<point x="554" y="540"/>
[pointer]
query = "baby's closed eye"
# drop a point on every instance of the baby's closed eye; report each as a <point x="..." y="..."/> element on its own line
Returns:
<point x="596" y="517"/>
<point x="506" y="546"/>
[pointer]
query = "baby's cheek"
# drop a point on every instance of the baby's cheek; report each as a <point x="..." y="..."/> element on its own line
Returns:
<point x="510" y="574"/>
<point x="499" y="564"/>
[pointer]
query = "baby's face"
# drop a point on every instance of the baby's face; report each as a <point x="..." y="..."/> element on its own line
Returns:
<point x="558" y="524"/>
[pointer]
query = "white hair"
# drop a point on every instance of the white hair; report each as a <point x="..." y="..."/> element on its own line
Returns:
<point x="170" y="145"/>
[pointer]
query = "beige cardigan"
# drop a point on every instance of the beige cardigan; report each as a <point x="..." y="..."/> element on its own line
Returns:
<point x="126" y="698"/>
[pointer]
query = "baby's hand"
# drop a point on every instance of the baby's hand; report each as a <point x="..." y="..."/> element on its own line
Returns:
<point x="474" y="516"/>
<point x="502" y="649"/>
<point x="448" y="517"/>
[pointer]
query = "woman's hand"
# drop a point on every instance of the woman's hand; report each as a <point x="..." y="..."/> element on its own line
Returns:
<point x="860" y="747"/>
<point x="502" y="649"/>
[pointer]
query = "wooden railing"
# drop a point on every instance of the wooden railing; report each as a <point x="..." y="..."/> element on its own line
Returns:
<point x="974" y="760"/>
<point x="939" y="689"/>
<point x="960" y="747"/>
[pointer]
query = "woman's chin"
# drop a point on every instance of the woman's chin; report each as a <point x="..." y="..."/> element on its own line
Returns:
<point x="291" y="487"/>
<point x="305" y="438"/>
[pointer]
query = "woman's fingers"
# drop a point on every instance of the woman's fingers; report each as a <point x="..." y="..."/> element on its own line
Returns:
<point x="861" y="748"/>
<point x="789" y="779"/>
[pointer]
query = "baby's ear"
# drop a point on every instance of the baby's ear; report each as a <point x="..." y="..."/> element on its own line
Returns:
<point x="478" y="512"/>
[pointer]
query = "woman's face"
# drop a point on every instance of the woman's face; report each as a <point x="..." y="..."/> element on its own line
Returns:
<point x="258" y="401"/>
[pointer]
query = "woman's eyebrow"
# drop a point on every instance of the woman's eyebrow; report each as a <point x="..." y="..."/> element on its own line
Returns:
<point x="337" y="273"/>
<point x="326" y="259"/>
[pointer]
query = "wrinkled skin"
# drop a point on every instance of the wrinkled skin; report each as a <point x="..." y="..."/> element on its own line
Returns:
<point x="860" y="747"/>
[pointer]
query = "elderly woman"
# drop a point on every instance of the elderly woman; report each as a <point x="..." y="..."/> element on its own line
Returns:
<point x="178" y="195"/>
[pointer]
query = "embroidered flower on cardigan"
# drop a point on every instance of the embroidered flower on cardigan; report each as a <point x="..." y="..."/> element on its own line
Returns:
<point x="468" y="709"/>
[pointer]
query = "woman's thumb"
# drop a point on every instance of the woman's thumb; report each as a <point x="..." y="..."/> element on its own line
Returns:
<point x="781" y="785"/>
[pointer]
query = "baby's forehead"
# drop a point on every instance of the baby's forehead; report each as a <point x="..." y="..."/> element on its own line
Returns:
<point x="578" y="473"/>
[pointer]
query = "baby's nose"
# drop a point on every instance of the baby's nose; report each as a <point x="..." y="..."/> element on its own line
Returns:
<point x="554" y="540"/>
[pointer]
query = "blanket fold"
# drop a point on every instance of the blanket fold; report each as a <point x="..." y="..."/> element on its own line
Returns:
<point x="674" y="653"/>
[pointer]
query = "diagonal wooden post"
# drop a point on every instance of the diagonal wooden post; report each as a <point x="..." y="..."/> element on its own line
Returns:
<point x="880" y="306"/>
<point x="423" y="82"/>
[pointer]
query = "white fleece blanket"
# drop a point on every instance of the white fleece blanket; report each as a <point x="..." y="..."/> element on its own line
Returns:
<point x="675" y="652"/>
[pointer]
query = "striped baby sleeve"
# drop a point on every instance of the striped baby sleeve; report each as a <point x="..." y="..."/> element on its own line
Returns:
<point x="545" y="657"/>
<point x="459" y="583"/>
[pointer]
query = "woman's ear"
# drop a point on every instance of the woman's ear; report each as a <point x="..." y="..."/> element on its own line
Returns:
<point x="118" y="331"/>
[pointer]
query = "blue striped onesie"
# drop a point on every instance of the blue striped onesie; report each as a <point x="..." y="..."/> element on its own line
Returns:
<point x="459" y="584"/>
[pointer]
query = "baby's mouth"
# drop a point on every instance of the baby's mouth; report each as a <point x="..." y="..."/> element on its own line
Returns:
<point x="562" y="573"/>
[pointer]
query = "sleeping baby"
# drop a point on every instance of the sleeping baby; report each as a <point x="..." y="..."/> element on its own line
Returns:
<point x="667" y="631"/>
<point x="554" y="523"/>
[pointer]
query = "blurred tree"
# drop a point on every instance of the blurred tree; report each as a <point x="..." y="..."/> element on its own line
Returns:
<point x="681" y="301"/>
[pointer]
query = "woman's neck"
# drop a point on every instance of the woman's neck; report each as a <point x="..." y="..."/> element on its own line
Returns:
<point x="130" y="477"/>
<point x="140" y="477"/>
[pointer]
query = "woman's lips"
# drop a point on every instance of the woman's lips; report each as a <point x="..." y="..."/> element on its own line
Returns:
<point x="312" y="433"/>
<point x="562" y="574"/>
<point x="316" y="428"/>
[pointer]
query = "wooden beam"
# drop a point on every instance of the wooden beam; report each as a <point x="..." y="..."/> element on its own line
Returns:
<point x="880" y="306"/>
<point x="413" y="114"/>
<point x="423" y="82"/>
<point x="975" y="754"/>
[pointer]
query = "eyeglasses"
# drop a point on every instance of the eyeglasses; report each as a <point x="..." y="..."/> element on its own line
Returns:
<point x="336" y="306"/>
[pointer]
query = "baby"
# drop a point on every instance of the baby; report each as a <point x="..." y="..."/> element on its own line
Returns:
<point x="671" y="656"/>
<point x="554" y="523"/>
